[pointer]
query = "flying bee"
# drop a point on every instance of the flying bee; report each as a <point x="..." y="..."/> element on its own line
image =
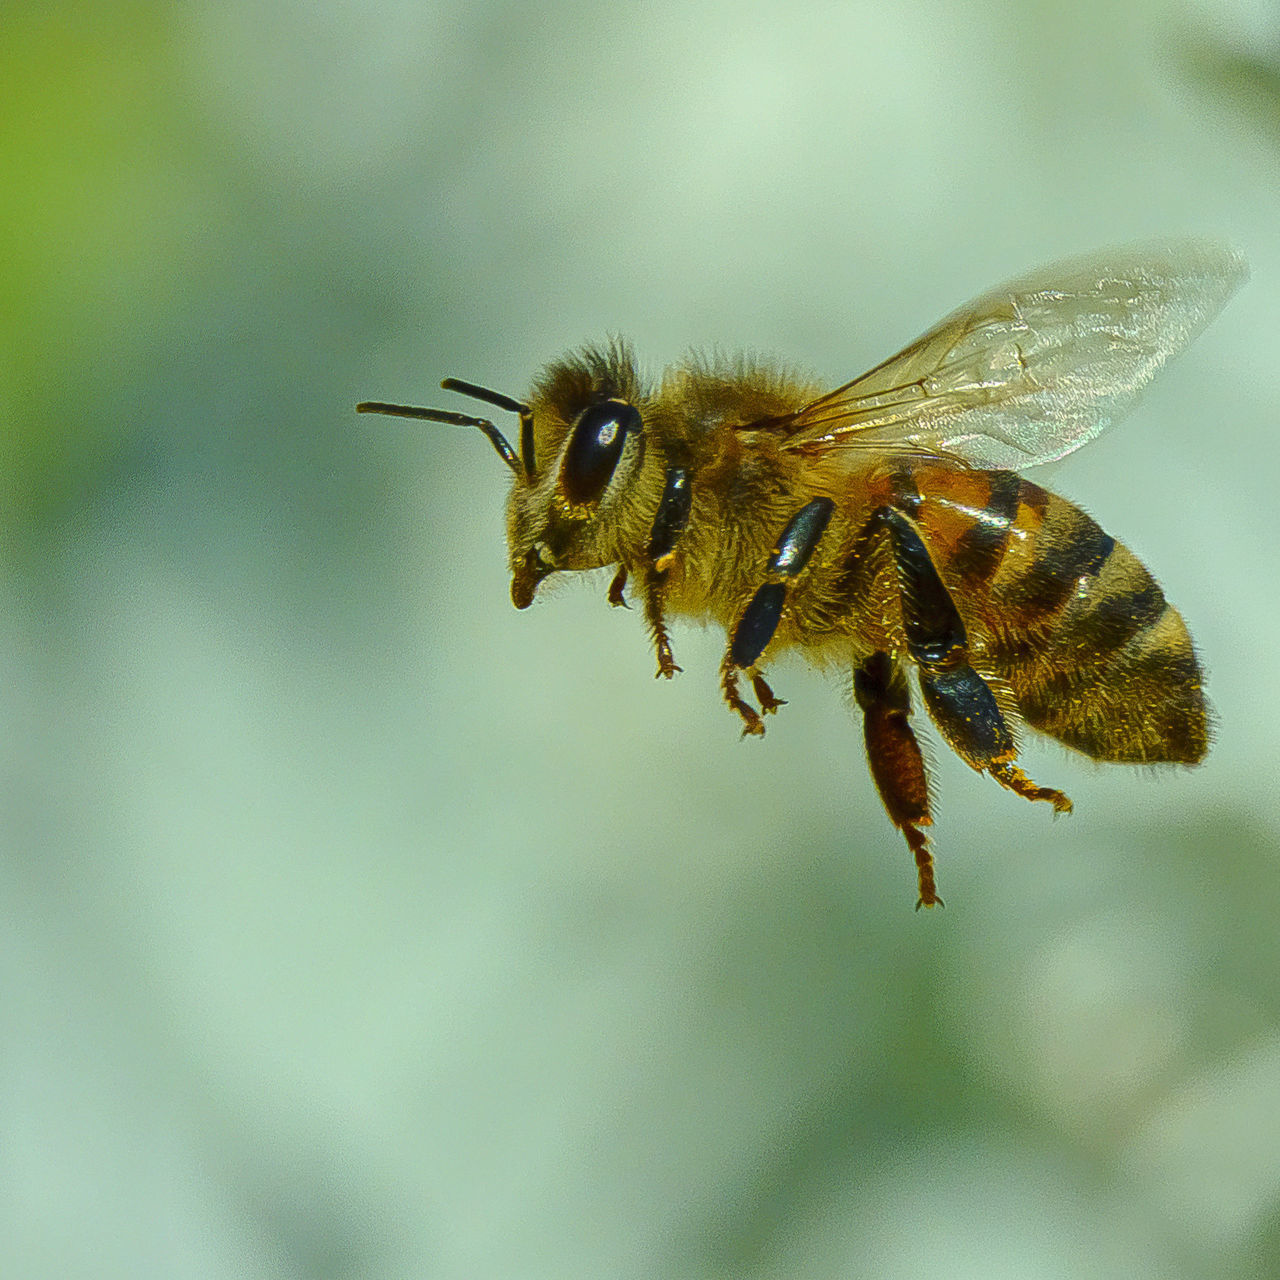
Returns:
<point x="883" y="527"/>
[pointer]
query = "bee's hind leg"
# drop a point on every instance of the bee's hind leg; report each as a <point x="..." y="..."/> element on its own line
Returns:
<point x="897" y="765"/>
<point x="959" y="701"/>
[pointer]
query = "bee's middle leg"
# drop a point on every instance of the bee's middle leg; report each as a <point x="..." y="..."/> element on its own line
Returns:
<point x="896" y="763"/>
<point x="752" y="724"/>
<point x="759" y="620"/>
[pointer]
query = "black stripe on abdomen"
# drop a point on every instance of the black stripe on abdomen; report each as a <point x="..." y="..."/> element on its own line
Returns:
<point x="978" y="553"/>
<point x="1068" y="548"/>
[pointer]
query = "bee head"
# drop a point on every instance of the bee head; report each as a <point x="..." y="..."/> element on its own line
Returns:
<point x="586" y="443"/>
<point x="581" y="439"/>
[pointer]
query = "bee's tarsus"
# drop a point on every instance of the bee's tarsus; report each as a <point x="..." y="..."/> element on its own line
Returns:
<point x="1009" y="775"/>
<point x="653" y="584"/>
<point x="768" y="700"/>
<point x="753" y="725"/>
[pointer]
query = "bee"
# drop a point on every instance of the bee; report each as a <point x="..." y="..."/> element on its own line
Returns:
<point x="883" y="527"/>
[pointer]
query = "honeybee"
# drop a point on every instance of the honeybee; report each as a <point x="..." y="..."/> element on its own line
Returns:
<point x="882" y="526"/>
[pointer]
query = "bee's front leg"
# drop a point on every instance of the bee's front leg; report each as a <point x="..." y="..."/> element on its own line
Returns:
<point x="759" y="620"/>
<point x="653" y="584"/>
<point x="668" y="524"/>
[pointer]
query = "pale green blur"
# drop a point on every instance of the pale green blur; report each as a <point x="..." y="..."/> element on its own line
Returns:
<point x="356" y="926"/>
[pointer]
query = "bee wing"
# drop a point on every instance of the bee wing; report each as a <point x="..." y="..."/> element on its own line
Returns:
<point x="1035" y="368"/>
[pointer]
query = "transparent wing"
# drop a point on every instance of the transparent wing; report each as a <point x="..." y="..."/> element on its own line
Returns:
<point x="1035" y="368"/>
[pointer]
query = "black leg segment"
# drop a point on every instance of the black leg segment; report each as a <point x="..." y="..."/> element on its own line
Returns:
<point x="672" y="517"/>
<point x="960" y="702"/>
<point x="794" y="548"/>
<point x="759" y="620"/>
<point x="800" y="536"/>
<point x="934" y="628"/>
<point x="668" y="524"/>
<point x="758" y="623"/>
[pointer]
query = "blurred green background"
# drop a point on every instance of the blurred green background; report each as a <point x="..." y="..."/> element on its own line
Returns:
<point x="355" y="925"/>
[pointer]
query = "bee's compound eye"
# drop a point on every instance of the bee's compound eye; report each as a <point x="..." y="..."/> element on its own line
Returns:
<point x="595" y="446"/>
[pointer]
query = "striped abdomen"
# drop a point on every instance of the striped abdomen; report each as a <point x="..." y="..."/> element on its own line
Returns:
<point x="1067" y="616"/>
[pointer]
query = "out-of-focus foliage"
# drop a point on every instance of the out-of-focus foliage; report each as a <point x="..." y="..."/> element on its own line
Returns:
<point x="101" y="205"/>
<point x="357" y="926"/>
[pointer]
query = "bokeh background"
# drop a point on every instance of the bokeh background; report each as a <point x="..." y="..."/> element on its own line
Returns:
<point x="357" y="926"/>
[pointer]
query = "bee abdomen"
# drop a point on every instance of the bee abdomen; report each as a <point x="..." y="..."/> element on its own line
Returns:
<point x="1082" y="633"/>
<point x="1118" y="677"/>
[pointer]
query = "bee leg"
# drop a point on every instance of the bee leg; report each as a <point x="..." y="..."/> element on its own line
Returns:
<point x="1009" y="775"/>
<point x="668" y="524"/>
<point x="653" y="584"/>
<point x="958" y="699"/>
<point x="751" y="635"/>
<point x="961" y="704"/>
<point x="897" y="765"/>
<point x="759" y="620"/>
<point x="769" y="701"/>
<point x="752" y="724"/>
<point x="616" y="588"/>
